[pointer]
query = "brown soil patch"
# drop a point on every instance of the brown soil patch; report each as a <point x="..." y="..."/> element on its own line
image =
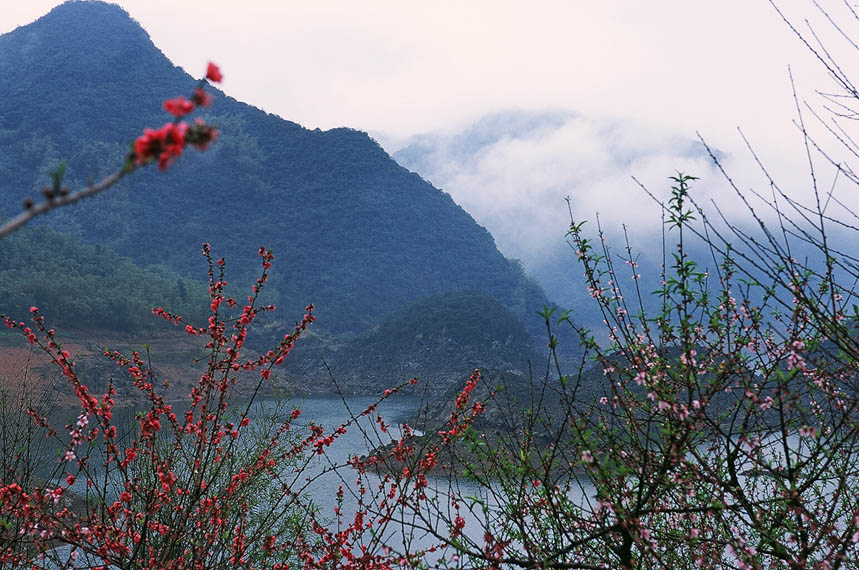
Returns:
<point x="27" y="371"/>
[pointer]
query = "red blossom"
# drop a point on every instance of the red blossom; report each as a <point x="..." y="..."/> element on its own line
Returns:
<point x="178" y="106"/>
<point x="201" y="135"/>
<point x="165" y="143"/>
<point x="200" y="98"/>
<point x="213" y="73"/>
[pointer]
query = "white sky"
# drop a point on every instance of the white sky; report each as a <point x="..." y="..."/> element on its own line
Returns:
<point x="403" y="67"/>
<point x="397" y="68"/>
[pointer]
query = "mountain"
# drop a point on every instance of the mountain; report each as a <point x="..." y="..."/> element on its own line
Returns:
<point x="441" y="339"/>
<point x="353" y="232"/>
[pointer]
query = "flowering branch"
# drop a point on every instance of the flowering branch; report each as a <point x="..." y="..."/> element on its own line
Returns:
<point x="163" y="145"/>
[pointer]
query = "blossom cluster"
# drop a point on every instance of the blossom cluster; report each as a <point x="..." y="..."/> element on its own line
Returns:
<point x="167" y="142"/>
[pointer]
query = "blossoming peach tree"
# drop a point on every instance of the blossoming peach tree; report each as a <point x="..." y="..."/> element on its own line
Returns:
<point x="725" y="430"/>
<point x="724" y="433"/>
<point x="210" y="482"/>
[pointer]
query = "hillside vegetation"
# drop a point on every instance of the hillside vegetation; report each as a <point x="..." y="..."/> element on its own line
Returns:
<point x="353" y="232"/>
<point x="88" y="286"/>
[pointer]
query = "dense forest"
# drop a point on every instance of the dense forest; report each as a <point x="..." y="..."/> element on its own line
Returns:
<point x="88" y="286"/>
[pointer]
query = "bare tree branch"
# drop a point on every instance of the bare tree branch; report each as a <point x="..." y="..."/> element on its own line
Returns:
<point x="56" y="202"/>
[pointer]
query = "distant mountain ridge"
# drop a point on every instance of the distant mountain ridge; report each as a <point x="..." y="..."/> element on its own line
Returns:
<point x="442" y="337"/>
<point x="353" y="232"/>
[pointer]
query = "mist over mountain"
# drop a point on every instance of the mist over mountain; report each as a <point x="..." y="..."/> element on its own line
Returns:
<point x="513" y="169"/>
<point x="352" y="231"/>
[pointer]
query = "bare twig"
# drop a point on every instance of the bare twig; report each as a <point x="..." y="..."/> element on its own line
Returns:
<point x="27" y="215"/>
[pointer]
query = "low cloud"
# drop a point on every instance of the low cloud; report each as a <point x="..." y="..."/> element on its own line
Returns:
<point x="513" y="170"/>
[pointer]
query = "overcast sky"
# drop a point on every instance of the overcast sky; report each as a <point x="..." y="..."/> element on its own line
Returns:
<point x="406" y="67"/>
<point x="666" y="68"/>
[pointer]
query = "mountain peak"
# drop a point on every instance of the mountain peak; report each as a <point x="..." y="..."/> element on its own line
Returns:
<point x="76" y="49"/>
<point x="82" y="17"/>
<point x="89" y="40"/>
